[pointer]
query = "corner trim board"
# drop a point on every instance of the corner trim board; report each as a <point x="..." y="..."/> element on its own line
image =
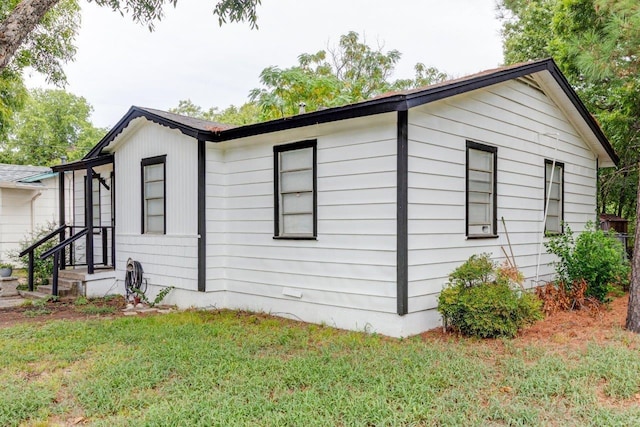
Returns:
<point x="202" y="219"/>
<point x="402" y="203"/>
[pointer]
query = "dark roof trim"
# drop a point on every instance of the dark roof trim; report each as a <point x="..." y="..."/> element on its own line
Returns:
<point x="103" y="159"/>
<point x="135" y="112"/>
<point x="383" y="104"/>
<point x="588" y="118"/>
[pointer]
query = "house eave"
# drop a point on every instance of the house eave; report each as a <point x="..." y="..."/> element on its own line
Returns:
<point x="384" y="104"/>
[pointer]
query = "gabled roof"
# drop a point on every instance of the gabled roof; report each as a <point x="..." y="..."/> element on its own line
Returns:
<point x="400" y="101"/>
<point x="187" y="125"/>
<point x="18" y="173"/>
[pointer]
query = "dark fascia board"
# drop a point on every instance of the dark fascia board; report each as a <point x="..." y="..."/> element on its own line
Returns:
<point x="135" y="112"/>
<point x="384" y="104"/>
<point x="582" y="110"/>
<point x="85" y="163"/>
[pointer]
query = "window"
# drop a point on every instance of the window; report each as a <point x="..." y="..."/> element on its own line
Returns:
<point x="481" y="190"/>
<point x="295" y="190"/>
<point x="153" y="195"/>
<point x="96" y="202"/>
<point x="554" y="191"/>
<point x="95" y="199"/>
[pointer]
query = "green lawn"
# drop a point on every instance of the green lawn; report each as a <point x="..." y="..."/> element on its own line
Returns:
<point x="227" y="368"/>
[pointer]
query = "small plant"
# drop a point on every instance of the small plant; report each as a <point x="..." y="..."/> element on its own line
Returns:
<point x="5" y="265"/>
<point x="481" y="300"/>
<point x="594" y="256"/>
<point x="81" y="300"/>
<point x="157" y="300"/>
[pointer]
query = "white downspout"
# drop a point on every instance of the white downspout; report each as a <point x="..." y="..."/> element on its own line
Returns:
<point x="546" y="204"/>
<point x="33" y="211"/>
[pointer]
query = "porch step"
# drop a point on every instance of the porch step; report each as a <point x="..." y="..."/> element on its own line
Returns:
<point x="34" y="295"/>
<point x="66" y="287"/>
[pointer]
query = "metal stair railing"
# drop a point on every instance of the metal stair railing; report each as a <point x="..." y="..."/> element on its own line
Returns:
<point x="30" y="250"/>
<point x="55" y="251"/>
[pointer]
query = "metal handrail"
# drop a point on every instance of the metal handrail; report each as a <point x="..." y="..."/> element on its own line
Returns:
<point x="43" y="240"/>
<point x="55" y="251"/>
<point x="64" y="243"/>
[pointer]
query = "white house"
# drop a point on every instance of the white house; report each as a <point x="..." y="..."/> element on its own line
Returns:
<point x="28" y="200"/>
<point x="351" y="216"/>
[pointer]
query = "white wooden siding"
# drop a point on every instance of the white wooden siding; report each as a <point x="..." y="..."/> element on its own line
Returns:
<point x="515" y="118"/>
<point x="78" y="217"/>
<point x="170" y="259"/>
<point x="351" y="265"/>
<point x="24" y="211"/>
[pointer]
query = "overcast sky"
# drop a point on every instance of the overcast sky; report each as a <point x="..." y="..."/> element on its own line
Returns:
<point x="189" y="56"/>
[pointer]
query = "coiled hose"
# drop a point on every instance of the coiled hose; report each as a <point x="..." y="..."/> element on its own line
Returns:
<point x="134" y="281"/>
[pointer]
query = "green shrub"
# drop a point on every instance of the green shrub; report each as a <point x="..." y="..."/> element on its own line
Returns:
<point x="595" y="256"/>
<point x="480" y="301"/>
<point x="42" y="270"/>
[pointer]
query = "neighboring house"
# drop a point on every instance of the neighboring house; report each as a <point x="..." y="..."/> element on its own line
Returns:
<point x="28" y="200"/>
<point x="351" y="216"/>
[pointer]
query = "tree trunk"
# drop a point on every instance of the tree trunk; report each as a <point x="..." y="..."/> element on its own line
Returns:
<point x="633" y="312"/>
<point x="17" y="26"/>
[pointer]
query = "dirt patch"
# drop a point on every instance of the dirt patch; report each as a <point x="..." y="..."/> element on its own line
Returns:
<point x="561" y="329"/>
<point x="65" y="308"/>
<point x="572" y="329"/>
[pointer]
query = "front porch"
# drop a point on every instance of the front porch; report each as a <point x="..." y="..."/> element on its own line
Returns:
<point x="84" y="257"/>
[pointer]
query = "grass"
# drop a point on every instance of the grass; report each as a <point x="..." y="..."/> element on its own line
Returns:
<point x="226" y="368"/>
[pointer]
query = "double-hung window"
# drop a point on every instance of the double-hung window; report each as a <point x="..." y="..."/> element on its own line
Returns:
<point x="553" y="196"/>
<point x="481" y="172"/>
<point x="153" y="195"/>
<point x="95" y="198"/>
<point x="295" y="190"/>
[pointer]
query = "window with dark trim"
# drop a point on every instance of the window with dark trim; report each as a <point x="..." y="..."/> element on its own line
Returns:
<point x="153" y="173"/>
<point x="553" y="196"/>
<point x="295" y="196"/>
<point x="96" y="202"/>
<point x="95" y="207"/>
<point x="481" y="194"/>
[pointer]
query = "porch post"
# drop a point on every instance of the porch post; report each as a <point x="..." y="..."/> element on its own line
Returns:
<point x="62" y="217"/>
<point x="88" y="219"/>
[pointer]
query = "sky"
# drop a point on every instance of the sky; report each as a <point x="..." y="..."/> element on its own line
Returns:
<point x="189" y="56"/>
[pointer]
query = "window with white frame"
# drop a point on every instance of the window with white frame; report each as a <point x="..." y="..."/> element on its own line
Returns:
<point x="481" y="190"/>
<point x="553" y="196"/>
<point x="153" y="195"/>
<point x="295" y="190"/>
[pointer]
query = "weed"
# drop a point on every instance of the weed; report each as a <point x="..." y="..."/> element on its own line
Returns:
<point x="36" y="312"/>
<point x="92" y="309"/>
<point x="157" y="300"/>
<point x="81" y="300"/>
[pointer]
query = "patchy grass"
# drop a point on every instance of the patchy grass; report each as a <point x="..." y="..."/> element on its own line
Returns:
<point x="227" y="368"/>
<point x="94" y="310"/>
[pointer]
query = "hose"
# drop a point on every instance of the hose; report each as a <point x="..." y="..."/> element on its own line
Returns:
<point x="134" y="281"/>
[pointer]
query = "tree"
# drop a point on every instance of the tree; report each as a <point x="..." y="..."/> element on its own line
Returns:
<point x="23" y="21"/>
<point x="246" y="114"/>
<point x="615" y="56"/>
<point x="53" y="124"/>
<point x="350" y="72"/>
<point x="534" y="29"/>
<point x="596" y="42"/>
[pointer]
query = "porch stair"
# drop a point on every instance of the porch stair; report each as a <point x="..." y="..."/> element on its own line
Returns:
<point x="70" y="284"/>
<point x="78" y="282"/>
